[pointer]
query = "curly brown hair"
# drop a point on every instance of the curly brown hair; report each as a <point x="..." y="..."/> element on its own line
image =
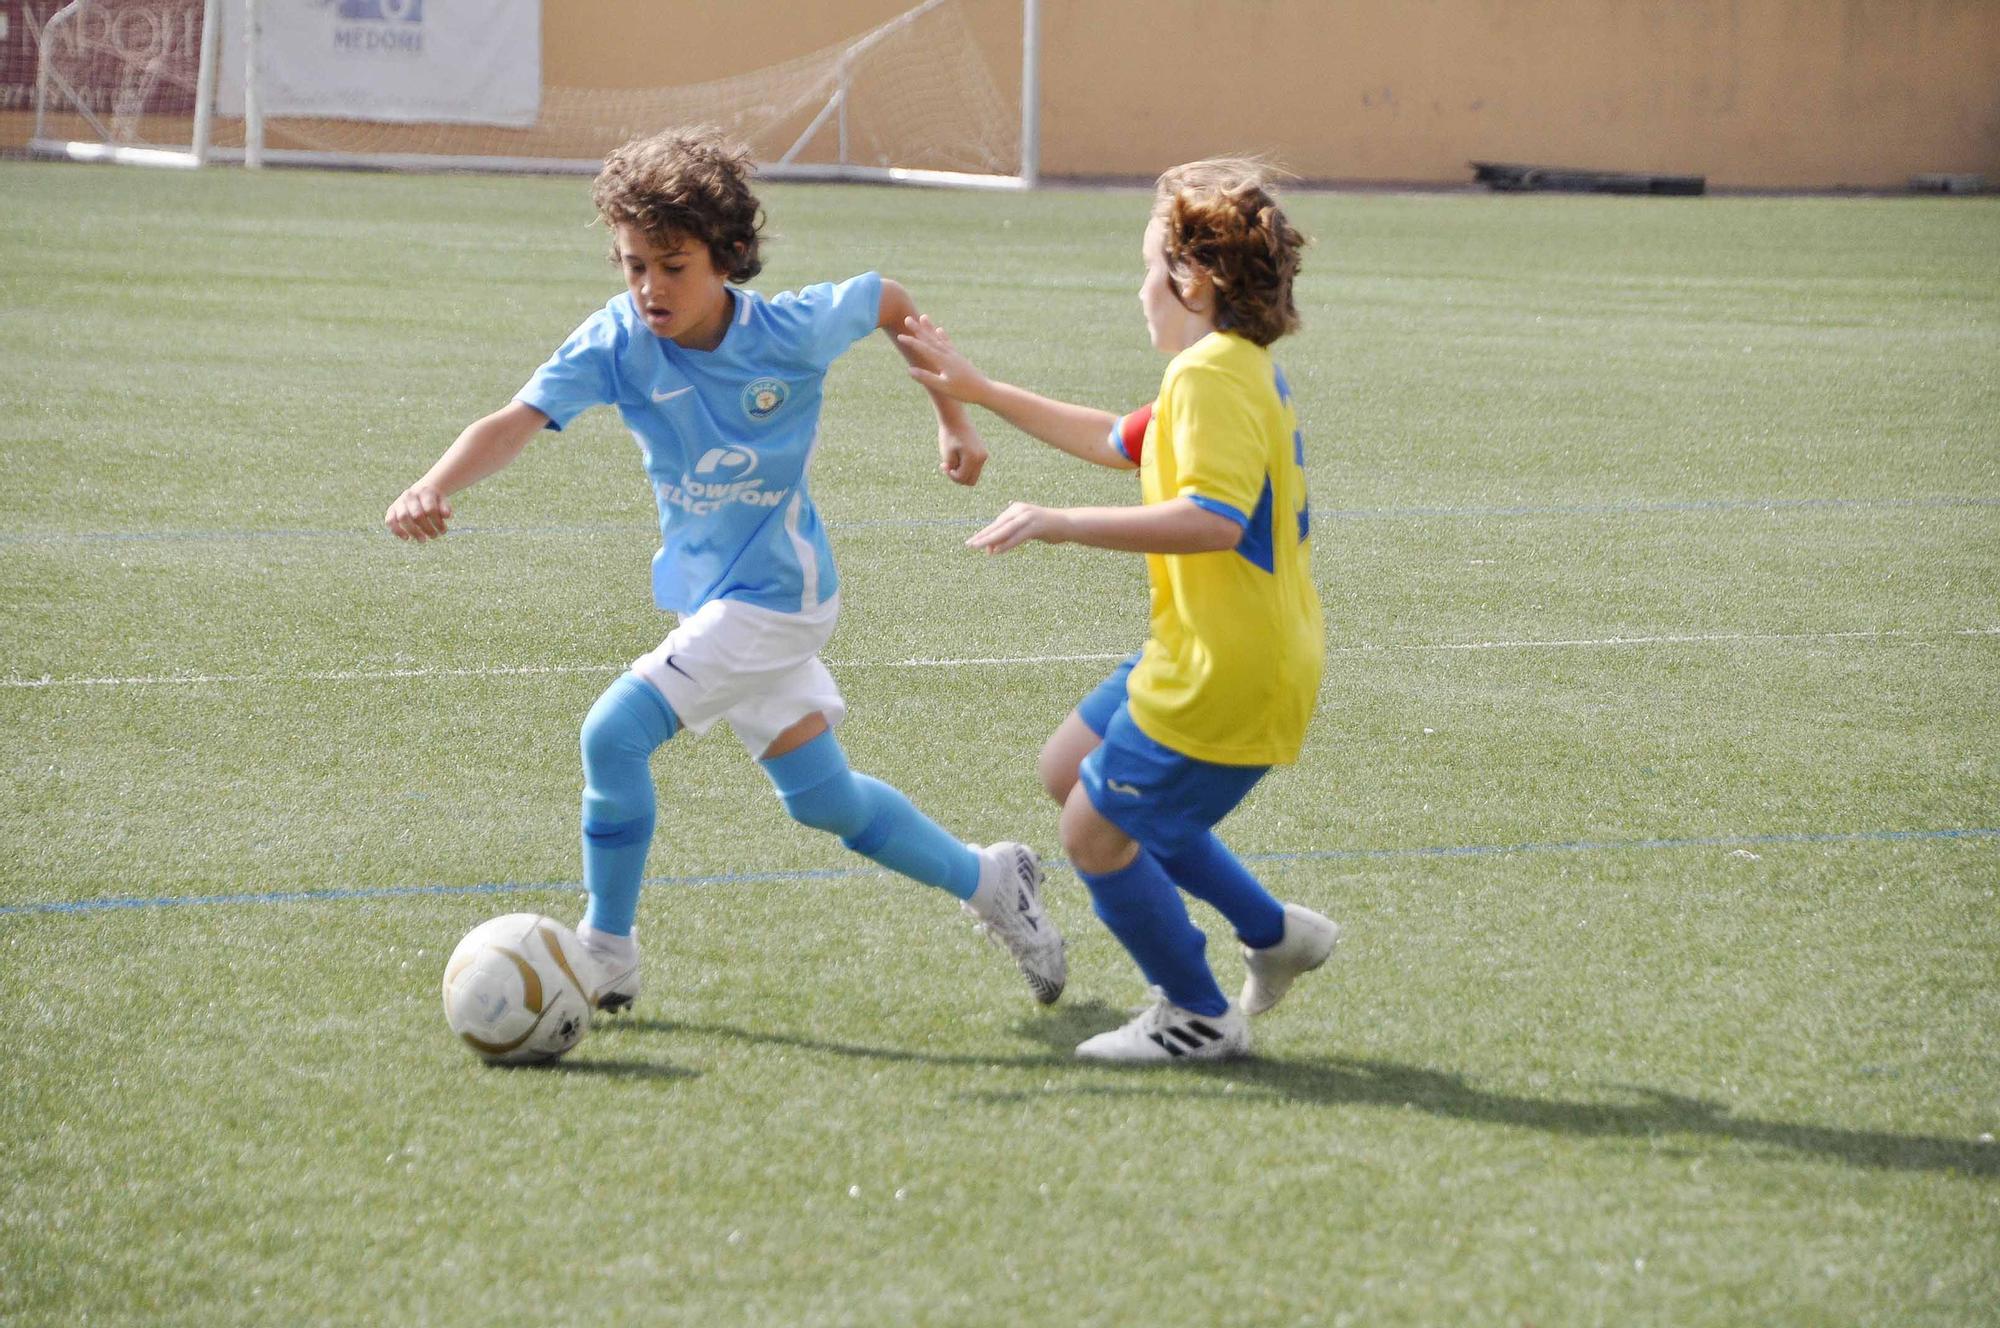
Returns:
<point x="691" y="182"/>
<point x="1222" y="222"/>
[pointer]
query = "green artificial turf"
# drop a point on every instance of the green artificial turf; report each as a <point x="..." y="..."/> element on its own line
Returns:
<point x="1654" y="782"/>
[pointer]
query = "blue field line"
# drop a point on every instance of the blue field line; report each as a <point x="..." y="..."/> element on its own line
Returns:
<point x="119" y="902"/>
<point x="917" y="522"/>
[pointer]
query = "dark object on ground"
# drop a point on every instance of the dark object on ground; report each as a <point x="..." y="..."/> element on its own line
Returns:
<point x="1947" y="184"/>
<point x="1563" y="179"/>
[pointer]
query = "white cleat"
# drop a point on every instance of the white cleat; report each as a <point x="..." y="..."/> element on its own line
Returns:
<point x="1008" y="904"/>
<point x="616" y="959"/>
<point x="1164" y="1033"/>
<point x="1307" y="943"/>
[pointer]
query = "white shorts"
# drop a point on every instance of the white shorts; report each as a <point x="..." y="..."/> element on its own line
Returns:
<point x="756" y="668"/>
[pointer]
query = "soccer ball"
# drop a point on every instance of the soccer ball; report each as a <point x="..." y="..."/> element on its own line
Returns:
<point x="513" y="989"/>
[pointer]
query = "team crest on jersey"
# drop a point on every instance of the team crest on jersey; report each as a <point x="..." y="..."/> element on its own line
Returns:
<point x="762" y="398"/>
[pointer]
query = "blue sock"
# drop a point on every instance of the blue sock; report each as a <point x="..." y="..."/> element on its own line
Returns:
<point x="873" y="819"/>
<point x="1207" y="870"/>
<point x="628" y="723"/>
<point x="1145" y="912"/>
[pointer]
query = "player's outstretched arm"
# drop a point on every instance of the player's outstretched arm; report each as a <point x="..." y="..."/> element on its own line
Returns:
<point x="487" y="445"/>
<point x="1179" y="525"/>
<point x="1081" y="431"/>
<point x="961" y="451"/>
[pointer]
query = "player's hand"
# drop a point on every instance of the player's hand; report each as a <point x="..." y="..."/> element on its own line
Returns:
<point x="420" y="514"/>
<point x="940" y="367"/>
<point x="1020" y="523"/>
<point x="961" y="453"/>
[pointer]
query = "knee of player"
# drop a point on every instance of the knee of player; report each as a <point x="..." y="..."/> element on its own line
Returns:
<point x="1091" y="843"/>
<point x="627" y="723"/>
<point x="818" y="789"/>
<point x="1063" y="754"/>
<point x="817" y="808"/>
<point x="1057" y="773"/>
<point x="836" y="805"/>
<point x="599" y="739"/>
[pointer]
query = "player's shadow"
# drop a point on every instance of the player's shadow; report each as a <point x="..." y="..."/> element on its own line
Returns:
<point x="1631" y="1111"/>
<point x="1060" y="1028"/>
<point x="1634" y="1111"/>
<point x="609" y="1069"/>
<point x="633" y="1070"/>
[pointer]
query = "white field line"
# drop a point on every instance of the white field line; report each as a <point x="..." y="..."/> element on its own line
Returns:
<point x="1703" y="638"/>
<point x="533" y="670"/>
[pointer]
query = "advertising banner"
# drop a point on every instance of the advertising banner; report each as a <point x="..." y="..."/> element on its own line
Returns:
<point x="405" y="61"/>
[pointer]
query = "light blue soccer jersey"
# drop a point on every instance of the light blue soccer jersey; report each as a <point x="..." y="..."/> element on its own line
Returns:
<point x="726" y="435"/>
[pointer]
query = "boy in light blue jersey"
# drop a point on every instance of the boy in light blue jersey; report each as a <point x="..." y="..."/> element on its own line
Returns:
<point x="721" y="388"/>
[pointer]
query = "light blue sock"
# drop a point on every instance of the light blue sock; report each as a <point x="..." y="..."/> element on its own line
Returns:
<point x="873" y="819"/>
<point x="1145" y="912"/>
<point x="1207" y="870"/>
<point x="628" y="723"/>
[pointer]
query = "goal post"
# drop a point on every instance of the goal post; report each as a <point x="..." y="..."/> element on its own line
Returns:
<point x="912" y="100"/>
<point x="132" y="84"/>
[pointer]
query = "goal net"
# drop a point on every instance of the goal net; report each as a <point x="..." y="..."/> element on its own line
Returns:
<point x="170" y="82"/>
<point x="121" y="79"/>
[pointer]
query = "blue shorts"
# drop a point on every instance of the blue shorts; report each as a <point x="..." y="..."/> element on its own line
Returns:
<point x="1150" y="791"/>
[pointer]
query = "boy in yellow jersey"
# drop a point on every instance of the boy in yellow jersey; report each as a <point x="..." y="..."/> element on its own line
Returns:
<point x="1224" y="688"/>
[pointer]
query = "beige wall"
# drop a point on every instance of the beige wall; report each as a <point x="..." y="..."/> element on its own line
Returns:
<point x="1748" y="92"/>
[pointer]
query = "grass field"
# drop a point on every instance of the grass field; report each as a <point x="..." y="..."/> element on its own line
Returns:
<point x="1656" y="782"/>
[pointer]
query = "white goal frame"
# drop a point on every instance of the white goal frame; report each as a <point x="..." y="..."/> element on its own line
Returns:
<point x="253" y="154"/>
<point x="198" y="152"/>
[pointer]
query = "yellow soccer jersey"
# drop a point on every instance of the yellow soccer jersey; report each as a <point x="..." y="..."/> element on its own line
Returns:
<point x="1231" y="670"/>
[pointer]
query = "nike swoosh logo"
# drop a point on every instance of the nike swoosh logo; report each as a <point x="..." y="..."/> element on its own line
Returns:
<point x="1117" y="787"/>
<point x="678" y="669"/>
<point x="659" y="396"/>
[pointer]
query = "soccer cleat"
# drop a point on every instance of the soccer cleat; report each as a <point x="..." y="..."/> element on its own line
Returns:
<point x="616" y="959"/>
<point x="1165" y="1033"/>
<point x="1308" y="941"/>
<point x="1008" y="904"/>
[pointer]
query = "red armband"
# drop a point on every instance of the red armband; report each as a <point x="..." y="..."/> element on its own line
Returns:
<point x="1128" y="435"/>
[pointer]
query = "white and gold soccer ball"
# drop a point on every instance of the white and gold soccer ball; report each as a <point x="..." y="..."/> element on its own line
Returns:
<point x="517" y="989"/>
